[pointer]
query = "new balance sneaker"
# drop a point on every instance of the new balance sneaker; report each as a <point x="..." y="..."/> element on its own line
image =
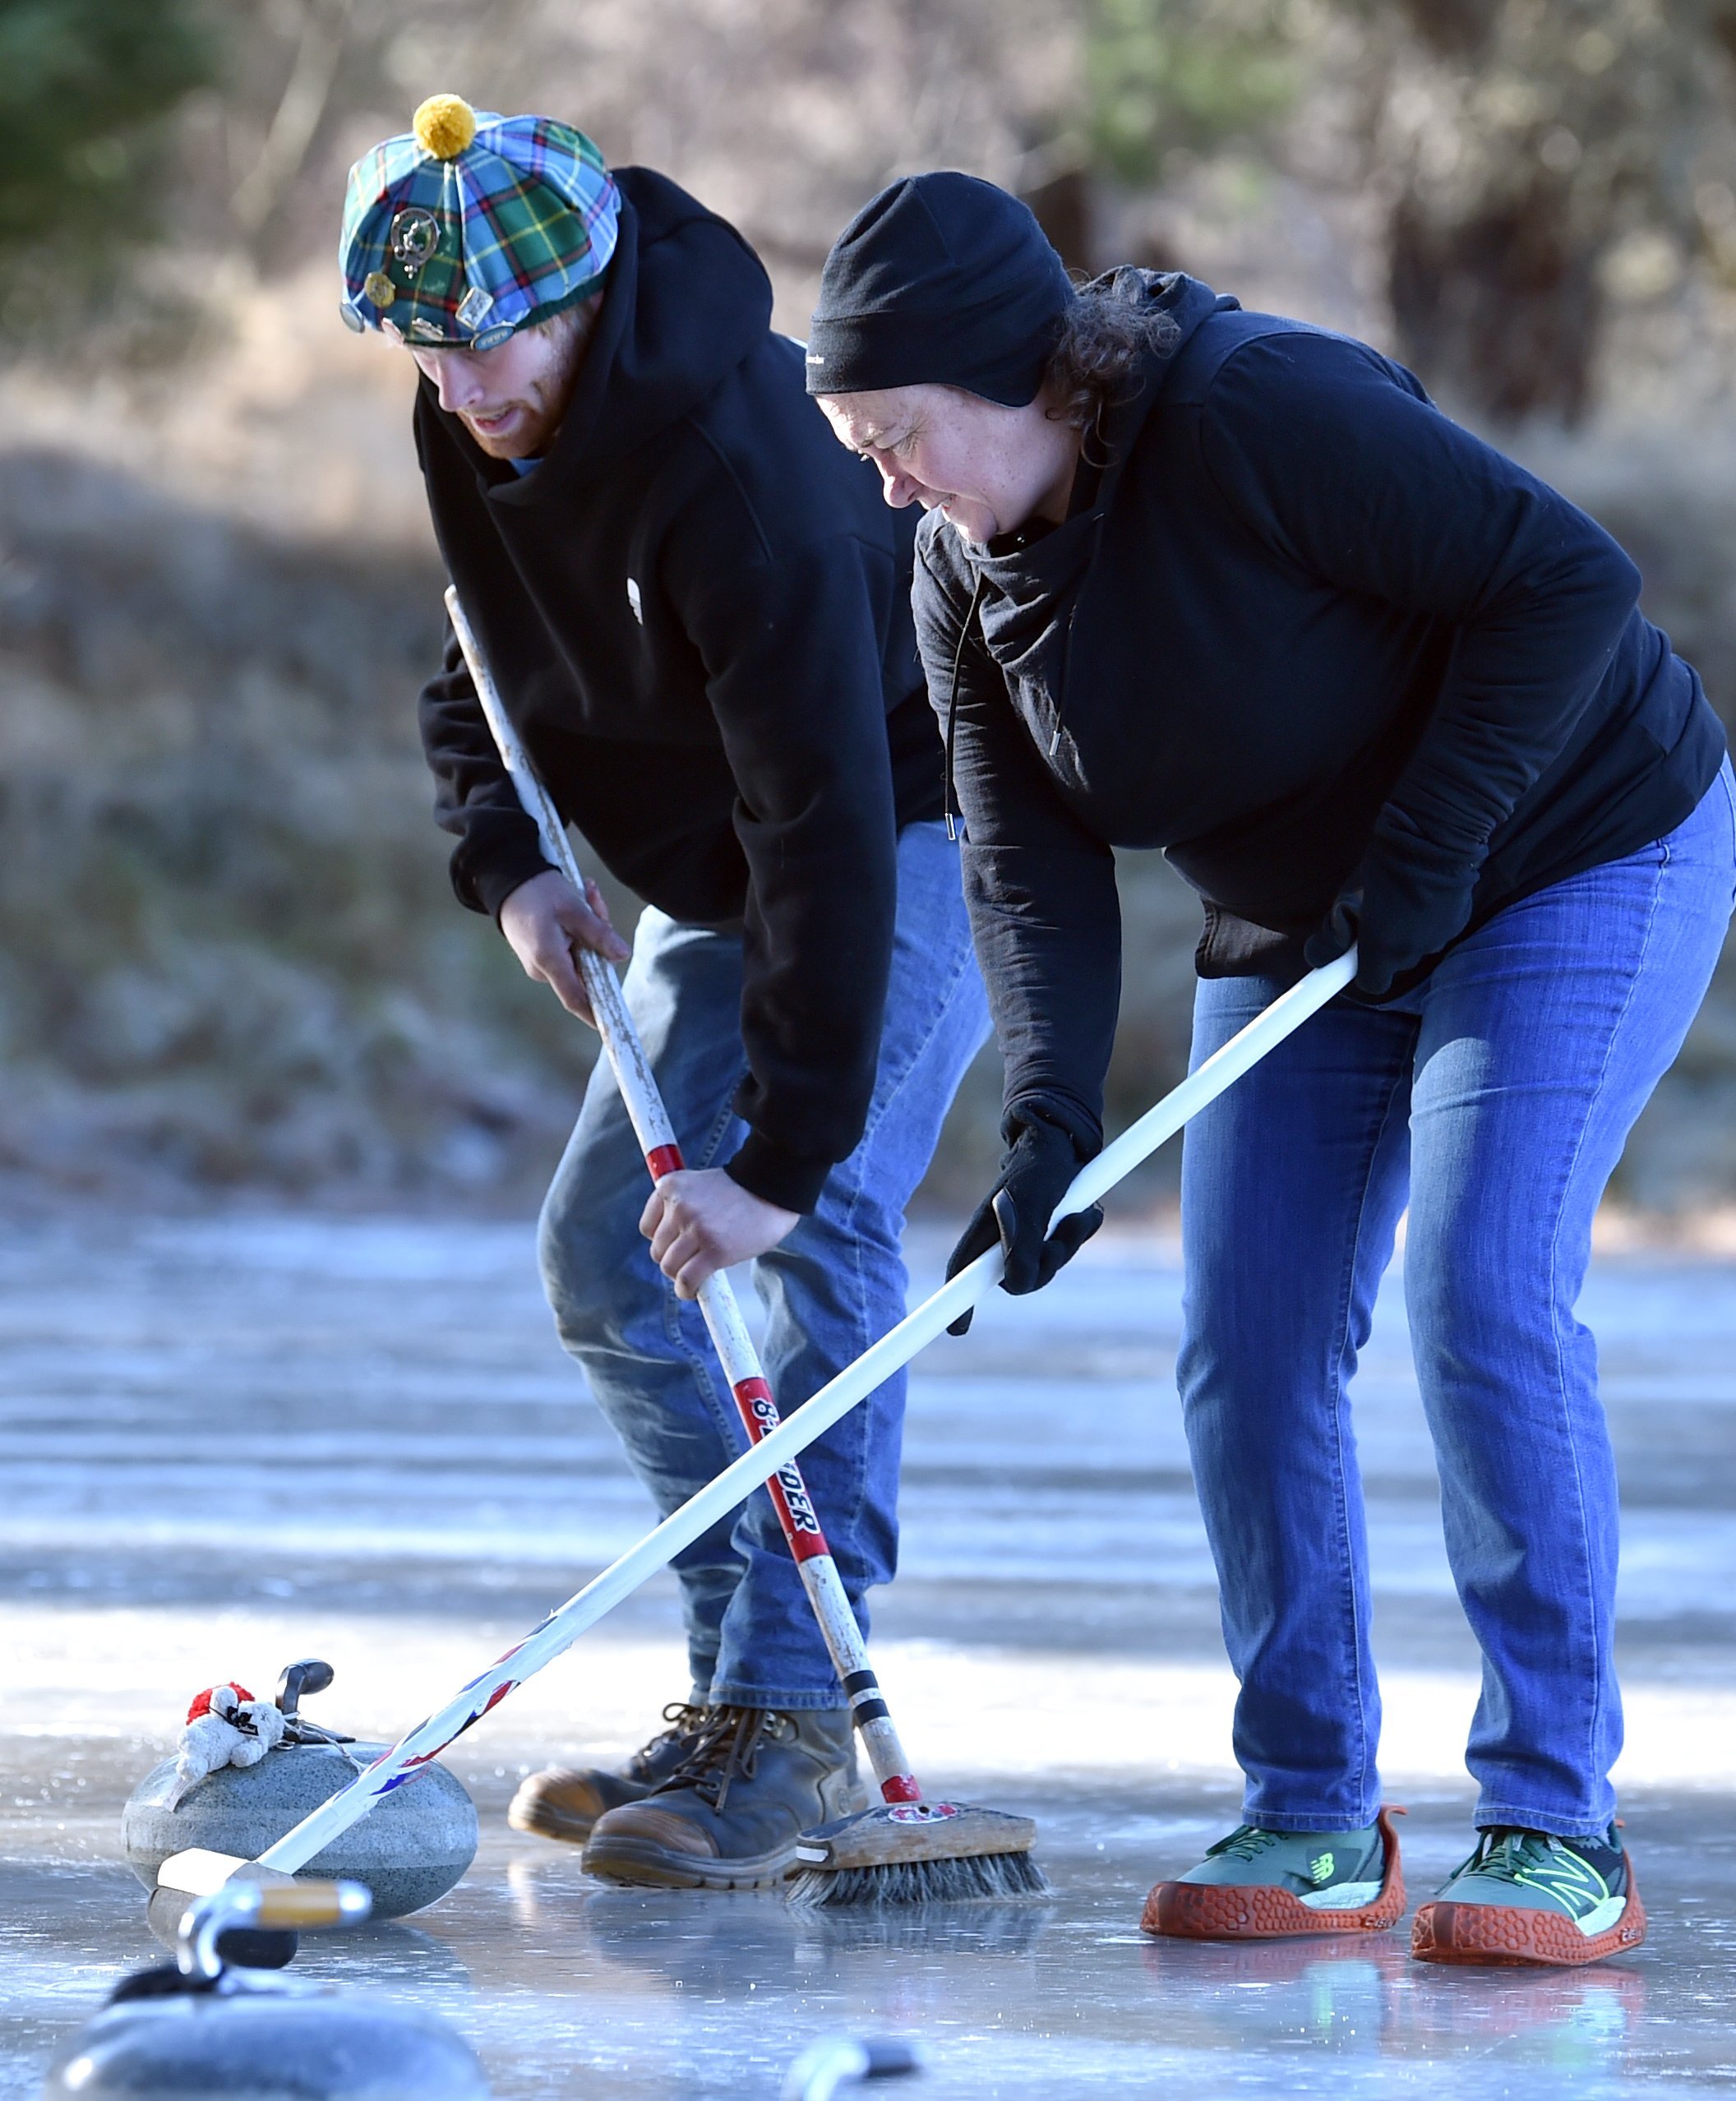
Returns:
<point x="1260" y="1885"/>
<point x="728" y="1817"/>
<point x="564" y="1801"/>
<point x="1526" y="1897"/>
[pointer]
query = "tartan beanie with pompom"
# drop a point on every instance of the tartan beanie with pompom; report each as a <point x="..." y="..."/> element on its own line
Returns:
<point x="470" y="226"/>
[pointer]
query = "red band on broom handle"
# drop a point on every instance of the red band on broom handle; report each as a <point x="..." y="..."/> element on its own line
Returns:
<point x="716" y="1297"/>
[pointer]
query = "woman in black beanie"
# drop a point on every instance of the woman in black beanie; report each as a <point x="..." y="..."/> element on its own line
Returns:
<point x="1224" y="584"/>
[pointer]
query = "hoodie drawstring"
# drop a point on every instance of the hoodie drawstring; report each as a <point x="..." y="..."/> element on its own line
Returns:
<point x="947" y="803"/>
<point x="1065" y="684"/>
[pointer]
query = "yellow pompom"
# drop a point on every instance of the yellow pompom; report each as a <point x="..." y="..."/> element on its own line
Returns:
<point x="444" y="126"/>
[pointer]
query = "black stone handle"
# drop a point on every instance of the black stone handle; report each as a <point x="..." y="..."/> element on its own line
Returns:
<point x="309" y="1675"/>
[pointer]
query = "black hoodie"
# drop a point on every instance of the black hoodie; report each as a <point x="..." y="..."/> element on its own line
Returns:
<point x="1301" y="621"/>
<point x="697" y="610"/>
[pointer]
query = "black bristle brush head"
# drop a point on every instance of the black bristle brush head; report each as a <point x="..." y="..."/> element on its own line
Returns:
<point x="991" y="1877"/>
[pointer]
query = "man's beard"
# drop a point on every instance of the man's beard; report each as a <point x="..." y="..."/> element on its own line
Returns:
<point x="525" y="443"/>
<point x="548" y="403"/>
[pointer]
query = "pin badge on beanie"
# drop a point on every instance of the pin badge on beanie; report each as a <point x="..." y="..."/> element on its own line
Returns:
<point x="945" y="280"/>
<point x="471" y="226"/>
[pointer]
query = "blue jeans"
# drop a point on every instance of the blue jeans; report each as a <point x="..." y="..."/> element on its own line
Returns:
<point x="1496" y="1098"/>
<point x="835" y="1285"/>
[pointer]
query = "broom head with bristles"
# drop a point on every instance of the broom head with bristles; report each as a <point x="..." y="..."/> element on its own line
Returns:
<point x="918" y="1853"/>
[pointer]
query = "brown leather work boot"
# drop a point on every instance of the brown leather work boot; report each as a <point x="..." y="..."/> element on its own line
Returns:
<point x="729" y="1817"/>
<point x="564" y="1801"/>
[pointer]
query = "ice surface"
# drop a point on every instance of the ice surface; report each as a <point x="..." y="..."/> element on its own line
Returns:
<point x="228" y="1443"/>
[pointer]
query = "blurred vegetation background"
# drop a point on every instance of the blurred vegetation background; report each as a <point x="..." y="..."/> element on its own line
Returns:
<point x="229" y="956"/>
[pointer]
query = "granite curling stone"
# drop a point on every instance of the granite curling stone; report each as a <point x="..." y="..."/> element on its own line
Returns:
<point x="264" y="2047"/>
<point x="410" y="1848"/>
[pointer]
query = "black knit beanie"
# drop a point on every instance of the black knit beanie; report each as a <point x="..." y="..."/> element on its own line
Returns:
<point x="941" y="281"/>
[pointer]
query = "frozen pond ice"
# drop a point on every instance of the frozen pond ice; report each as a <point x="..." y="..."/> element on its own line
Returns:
<point x="229" y="1443"/>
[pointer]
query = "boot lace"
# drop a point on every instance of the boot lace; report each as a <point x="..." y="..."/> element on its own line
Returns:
<point x="725" y="1746"/>
<point x="683" y="1719"/>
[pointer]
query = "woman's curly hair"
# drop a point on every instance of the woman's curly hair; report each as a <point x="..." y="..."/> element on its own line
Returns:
<point x="1098" y="360"/>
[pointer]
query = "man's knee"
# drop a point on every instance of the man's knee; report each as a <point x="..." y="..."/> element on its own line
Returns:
<point x="583" y="1253"/>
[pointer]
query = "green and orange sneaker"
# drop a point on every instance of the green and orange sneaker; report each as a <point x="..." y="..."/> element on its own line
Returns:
<point x="1529" y="1897"/>
<point x="1258" y="1885"/>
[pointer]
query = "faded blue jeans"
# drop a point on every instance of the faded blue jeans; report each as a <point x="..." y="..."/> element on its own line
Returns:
<point x="1496" y="1098"/>
<point x="835" y="1285"/>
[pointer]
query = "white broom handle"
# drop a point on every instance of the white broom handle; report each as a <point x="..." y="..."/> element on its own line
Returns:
<point x="644" y="1101"/>
<point x="1225" y="1065"/>
<point x="754" y="1467"/>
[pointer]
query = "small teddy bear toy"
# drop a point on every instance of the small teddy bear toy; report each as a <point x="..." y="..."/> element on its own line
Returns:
<point x="225" y="1726"/>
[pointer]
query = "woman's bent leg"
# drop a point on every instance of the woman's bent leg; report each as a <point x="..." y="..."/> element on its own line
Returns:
<point x="1292" y="1185"/>
<point x="1542" y="1036"/>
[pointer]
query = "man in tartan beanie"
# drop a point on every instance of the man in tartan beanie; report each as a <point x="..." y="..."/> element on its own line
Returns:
<point x="697" y="610"/>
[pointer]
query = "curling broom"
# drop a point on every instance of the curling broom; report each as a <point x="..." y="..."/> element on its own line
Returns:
<point x="948" y="1850"/>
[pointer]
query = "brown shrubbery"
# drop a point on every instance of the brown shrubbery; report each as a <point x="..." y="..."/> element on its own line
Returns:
<point x="230" y="953"/>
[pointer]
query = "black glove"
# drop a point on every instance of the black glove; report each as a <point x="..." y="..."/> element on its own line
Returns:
<point x="1036" y="1170"/>
<point x="1408" y="903"/>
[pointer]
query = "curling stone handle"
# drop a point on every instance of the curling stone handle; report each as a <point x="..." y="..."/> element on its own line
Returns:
<point x="309" y="1675"/>
<point x="840" y="2060"/>
<point x="890" y="2057"/>
<point x="281" y="1907"/>
<point x="305" y="1907"/>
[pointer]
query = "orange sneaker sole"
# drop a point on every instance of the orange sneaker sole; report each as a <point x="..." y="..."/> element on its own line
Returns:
<point x="1445" y="1932"/>
<point x="1204" y="1911"/>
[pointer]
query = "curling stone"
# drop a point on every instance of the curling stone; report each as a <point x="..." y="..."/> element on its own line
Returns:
<point x="413" y="1845"/>
<point x="267" y="2049"/>
<point x="196" y="2027"/>
<point x="409" y="1850"/>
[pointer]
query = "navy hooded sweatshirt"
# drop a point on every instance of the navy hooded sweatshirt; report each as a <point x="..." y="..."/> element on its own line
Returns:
<point x="1300" y="626"/>
<point x="697" y="610"/>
